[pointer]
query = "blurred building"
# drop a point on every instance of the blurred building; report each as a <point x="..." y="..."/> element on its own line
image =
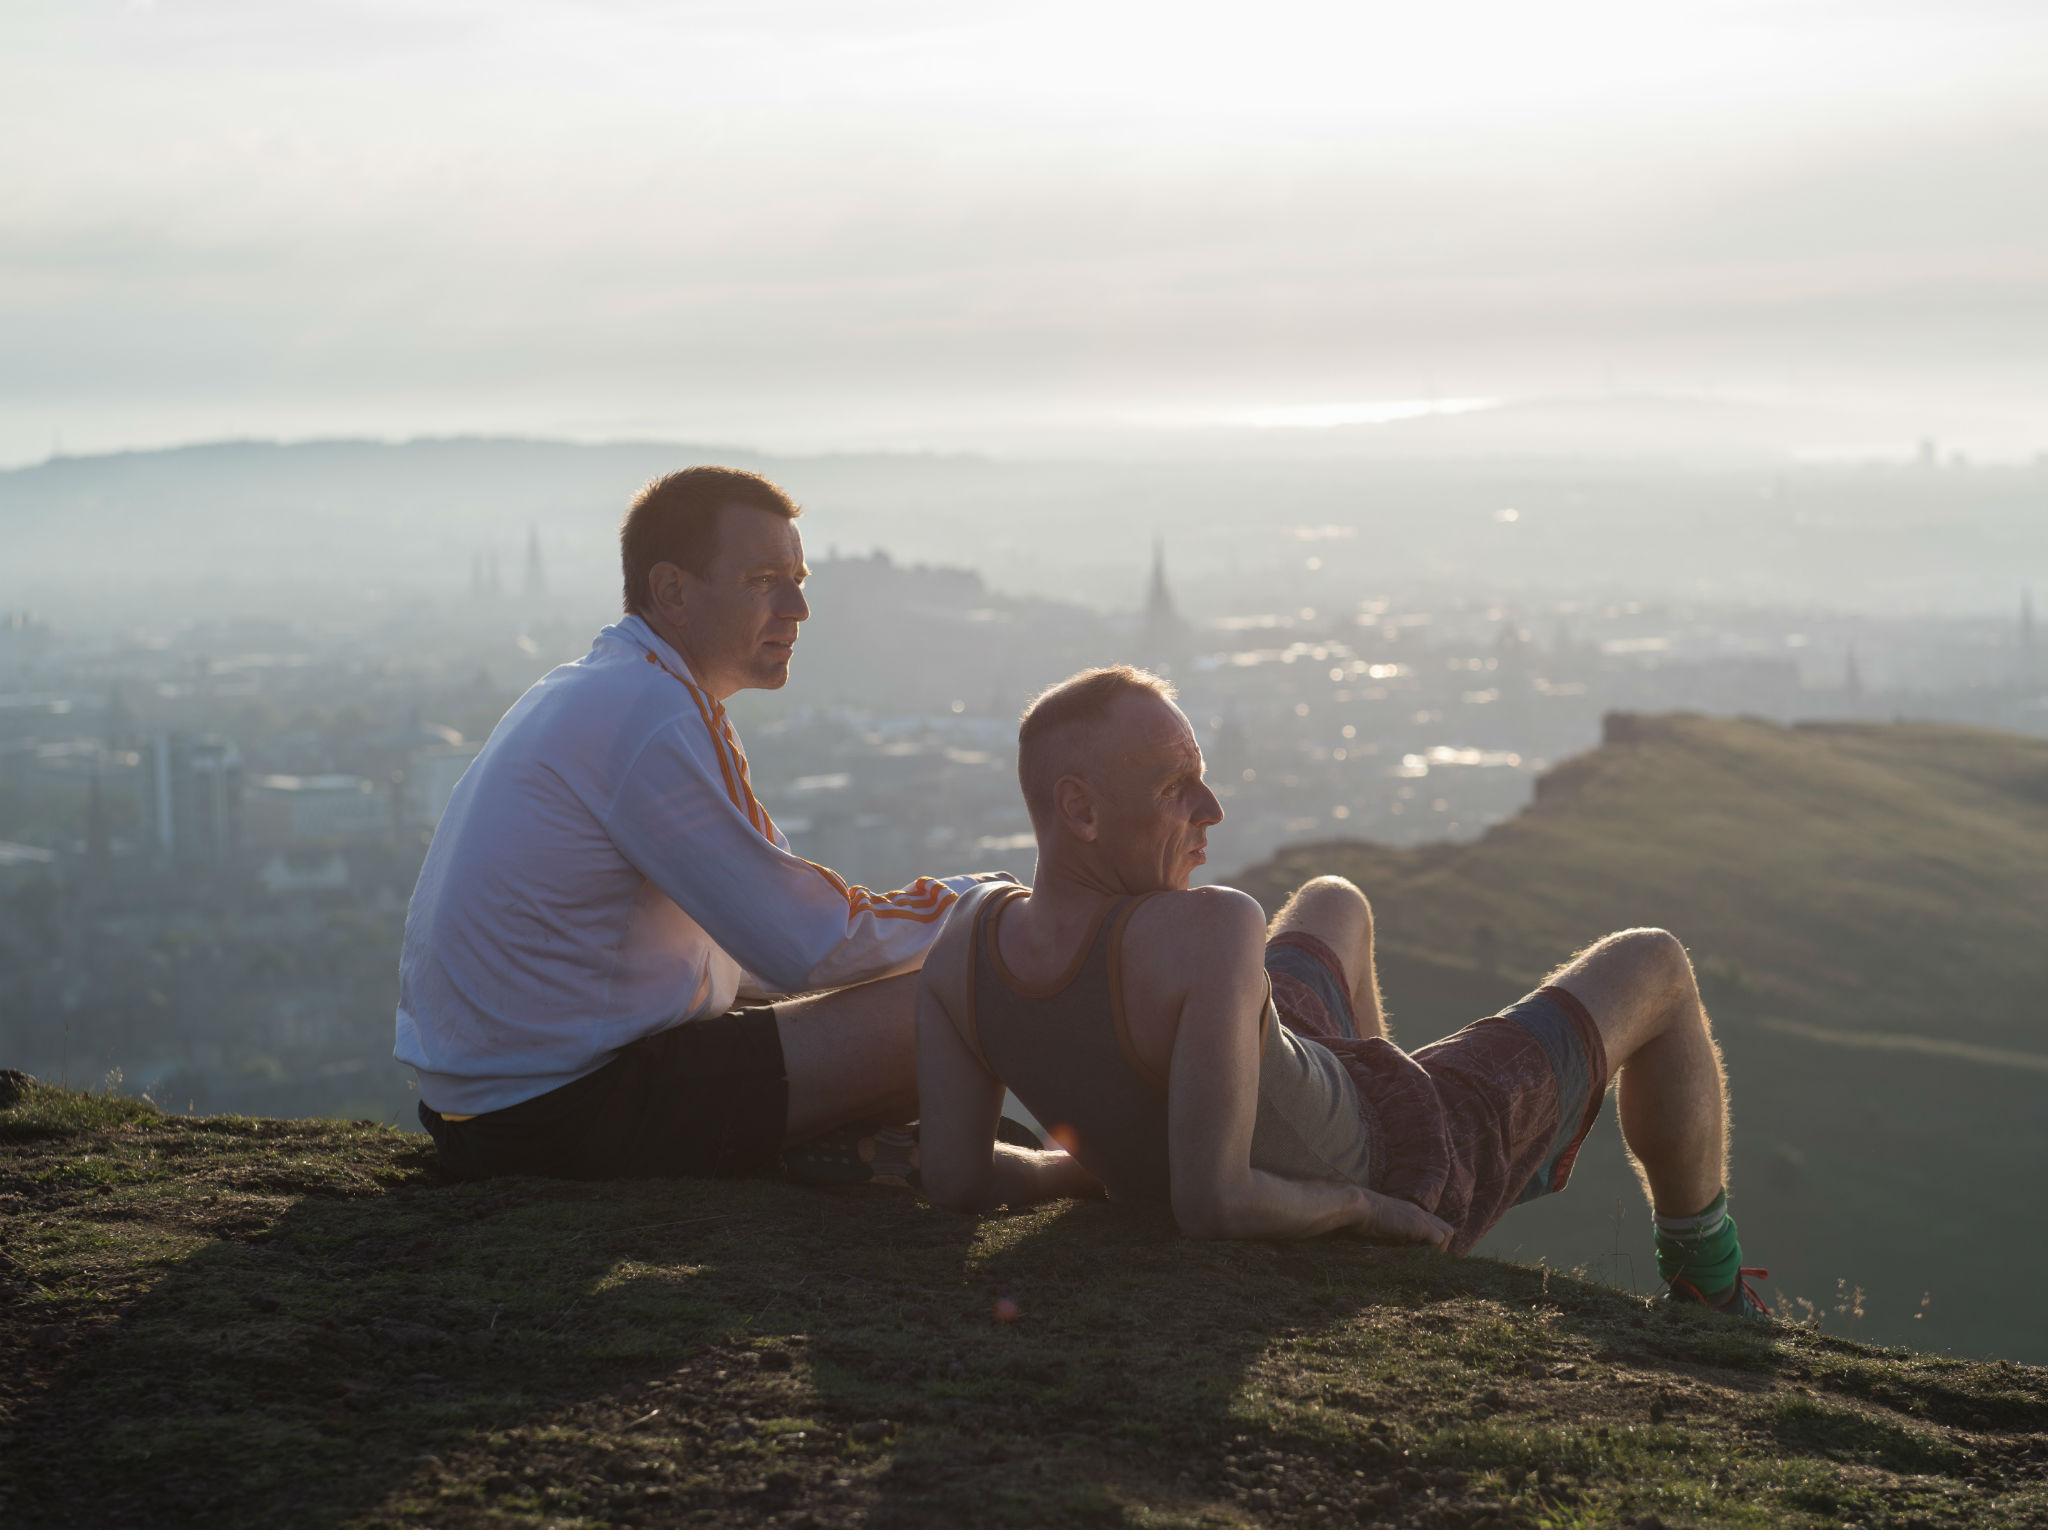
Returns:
<point x="35" y="717"/>
<point x="304" y="872"/>
<point x="25" y="641"/>
<point x="430" y="780"/>
<point x="22" y="867"/>
<point x="192" y="799"/>
<point x="284" y="810"/>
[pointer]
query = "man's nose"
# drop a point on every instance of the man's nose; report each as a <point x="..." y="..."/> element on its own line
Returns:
<point x="794" y="605"/>
<point x="1212" y="808"/>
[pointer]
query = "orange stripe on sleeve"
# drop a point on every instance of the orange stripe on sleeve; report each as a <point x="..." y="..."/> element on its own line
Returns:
<point x="914" y="917"/>
<point x="704" y="709"/>
<point x="924" y="902"/>
<point x="921" y="894"/>
<point x="832" y="878"/>
<point x="939" y="898"/>
<point x="718" y="745"/>
<point x="757" y="813"/>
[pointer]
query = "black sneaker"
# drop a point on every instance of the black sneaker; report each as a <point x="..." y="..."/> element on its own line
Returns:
<point x="867" y="1152"/>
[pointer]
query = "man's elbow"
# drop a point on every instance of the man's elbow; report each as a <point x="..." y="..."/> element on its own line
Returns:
<point x="780" y="971"/>
<point x="949" y="1190"/>
<point x="1206" y="1214"/>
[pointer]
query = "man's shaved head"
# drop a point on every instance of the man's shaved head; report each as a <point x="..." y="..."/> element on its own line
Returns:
<point x="1057" y="731"/>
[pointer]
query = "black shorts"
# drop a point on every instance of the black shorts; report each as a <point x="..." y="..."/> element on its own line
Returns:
<point x="707" y="1097"/>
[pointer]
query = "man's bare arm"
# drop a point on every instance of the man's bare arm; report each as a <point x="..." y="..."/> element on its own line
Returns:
<point x="1213" y="1094"/>
<point x="962" y="1165"/>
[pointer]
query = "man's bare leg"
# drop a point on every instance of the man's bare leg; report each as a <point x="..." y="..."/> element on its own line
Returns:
<point x="1639" y="987"/>
<point x="1336" y="911"/>
<point x="850" y="1055"/>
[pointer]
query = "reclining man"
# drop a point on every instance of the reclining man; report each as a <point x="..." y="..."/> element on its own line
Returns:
<point x="604" y="885"/>
<point x="1179" y="1051"/>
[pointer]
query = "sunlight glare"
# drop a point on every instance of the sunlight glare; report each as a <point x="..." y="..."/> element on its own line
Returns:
<point x="1357" y="413"/>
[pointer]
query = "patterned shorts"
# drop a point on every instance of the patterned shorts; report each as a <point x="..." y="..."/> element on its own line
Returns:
<point x="1474" y="1124"/>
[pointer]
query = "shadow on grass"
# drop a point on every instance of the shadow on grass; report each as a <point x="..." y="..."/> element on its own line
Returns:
<point x="1803" y="1427"/>
<point x="526" y="1351"/>
<point x="523" y="1351"/>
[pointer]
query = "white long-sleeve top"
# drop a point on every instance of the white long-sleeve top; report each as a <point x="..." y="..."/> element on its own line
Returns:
<point x="604" y="871"/>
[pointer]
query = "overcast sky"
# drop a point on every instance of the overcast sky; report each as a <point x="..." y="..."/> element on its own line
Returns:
<point x="820" y="224"/>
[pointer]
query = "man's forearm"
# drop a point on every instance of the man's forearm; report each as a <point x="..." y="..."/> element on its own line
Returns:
<point x="1018" y="1176"/>
<point x="1269" y="1206"/>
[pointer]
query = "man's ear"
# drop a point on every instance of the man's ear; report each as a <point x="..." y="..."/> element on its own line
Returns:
<point x="1075" y="802"/>
<point x="665" y="585"/>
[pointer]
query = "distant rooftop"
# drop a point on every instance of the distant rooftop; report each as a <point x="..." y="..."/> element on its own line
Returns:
<point x="312" y="783"/>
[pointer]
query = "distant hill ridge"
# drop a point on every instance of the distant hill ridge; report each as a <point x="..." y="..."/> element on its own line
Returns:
<point x="211" y="509"/>
<point x="1883" y="877"/>
<point x="405" y="512"/>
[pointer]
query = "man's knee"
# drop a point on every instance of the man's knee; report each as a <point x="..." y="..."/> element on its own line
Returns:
<point x="1332" y="897"/>
<point x="1653" y="956"/>
<point x="1337" y="888"/>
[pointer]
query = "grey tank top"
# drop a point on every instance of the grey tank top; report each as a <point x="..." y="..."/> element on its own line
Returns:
<point x="1064" y="1048"/>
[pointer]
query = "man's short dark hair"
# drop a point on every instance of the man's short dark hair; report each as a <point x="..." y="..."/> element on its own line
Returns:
<point x="1083" y="699"/>
<point x="675" y="518"/>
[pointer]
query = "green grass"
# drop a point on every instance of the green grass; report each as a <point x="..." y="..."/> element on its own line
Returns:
<point x="33" y="1111"/>
<point x="293" y="1323"/>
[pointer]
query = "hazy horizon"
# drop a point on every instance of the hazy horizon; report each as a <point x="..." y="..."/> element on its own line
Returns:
<point x="791" y="227"/>
<point x="1596" y="426"/>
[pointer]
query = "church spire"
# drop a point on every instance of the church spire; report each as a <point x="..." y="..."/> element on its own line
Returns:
<point x="1165" y="634"/>
<point x="1159" y="603"/>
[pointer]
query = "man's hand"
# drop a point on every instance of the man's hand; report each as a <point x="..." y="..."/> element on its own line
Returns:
<point x="1394" y="1222"/>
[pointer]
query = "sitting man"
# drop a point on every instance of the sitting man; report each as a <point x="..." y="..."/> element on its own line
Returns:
<point x="604" y="885"/>
<point x="1180" y="1052"/>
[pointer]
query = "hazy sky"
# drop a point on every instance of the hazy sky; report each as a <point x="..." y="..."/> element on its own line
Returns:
<point x="821" y="224"/>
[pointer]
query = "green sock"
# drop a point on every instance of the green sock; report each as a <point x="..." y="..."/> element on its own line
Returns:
<point x="1702" y="1250"/>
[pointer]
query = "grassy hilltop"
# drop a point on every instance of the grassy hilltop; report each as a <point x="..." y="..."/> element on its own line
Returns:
<point x="229" y="1321"/>
<point x="1867" y="906"/>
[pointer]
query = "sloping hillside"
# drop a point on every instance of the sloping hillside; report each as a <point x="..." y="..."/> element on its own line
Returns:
<point x="1885" y="879"/>
<point x="1868" y="910"/>
<point x="234" y="1322"/>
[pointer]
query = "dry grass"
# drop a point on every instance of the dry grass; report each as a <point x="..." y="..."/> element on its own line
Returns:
<point x="223" y="1321"/>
